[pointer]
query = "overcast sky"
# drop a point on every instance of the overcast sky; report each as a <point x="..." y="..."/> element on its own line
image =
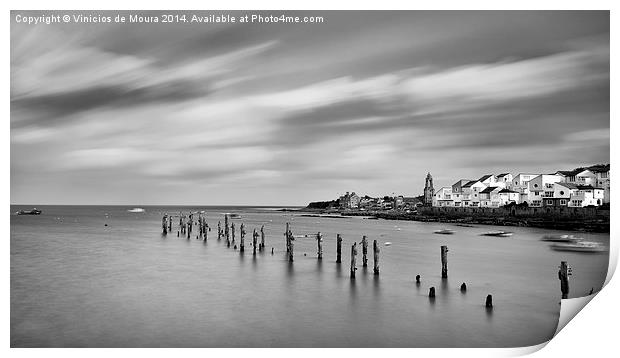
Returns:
<point x="283" y="114"/>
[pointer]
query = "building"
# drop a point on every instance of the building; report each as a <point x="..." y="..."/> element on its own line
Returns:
<point x="428" y="190"/>
<point x="541" y="187"/>
<point x="471" y="193"/>
<point x="457" y="192"/>
<point x="443" y="197"/>
<point x="574" y="195"/>
<point x="489" y="197"/>
<point x="504" y="180"/>
<point x="507" y="196"/>
<point x="520" y="184"/>
<point x="349" y="201"/>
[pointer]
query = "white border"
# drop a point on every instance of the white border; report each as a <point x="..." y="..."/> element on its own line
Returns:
<point x="593" y="330"/>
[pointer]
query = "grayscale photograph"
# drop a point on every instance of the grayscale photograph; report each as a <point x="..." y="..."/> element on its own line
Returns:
<point x="305" y="179"/>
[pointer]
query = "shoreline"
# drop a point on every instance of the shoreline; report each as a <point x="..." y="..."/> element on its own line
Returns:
<point x="586" y="225"/>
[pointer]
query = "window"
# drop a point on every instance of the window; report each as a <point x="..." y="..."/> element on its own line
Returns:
<point x="604" y="175"/>
<point x="563" y="202"/>
<point x="457" y="204"/>
<point x="561" y="192"/>
<point x="535" y="185"/>
<point x="536" y="202"/>
<point x="549" y="194"/>
<point x="549" y="202"/>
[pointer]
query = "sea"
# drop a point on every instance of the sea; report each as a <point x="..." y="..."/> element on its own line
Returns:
<point x="102" y="276"/>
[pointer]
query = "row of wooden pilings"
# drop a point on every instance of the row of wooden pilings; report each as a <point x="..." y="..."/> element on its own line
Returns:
<point x="186" y="223"/>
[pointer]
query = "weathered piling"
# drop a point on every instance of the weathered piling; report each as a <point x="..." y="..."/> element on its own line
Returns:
<point x="444" y="261"/>
<point x="262" y="238"/>
<point x="242" y="234"/>
<point x="463" y="287"/>
<point x="319" y="240"/>
<point x="291" y="247"/>
<point x="164" y="224"/>
<point x="364" y="251"/>
<point x="226" y="231"/>
<point x="170" y="224"/>
<point x="232" y="231"/>
<point x="375" y="252"/>
<point x="219" y="230"/>
<point x="489" y="302"/>
<point x="338" y="248"/>
<point x="286" y="236"/>
<point x="353" y="259"/>
<point x="417" y="279"/>
<point x="205" y="230"/>
<point x="431" y="292"/>
<point x="254" y="240"/>
<point x="563" y="274"/>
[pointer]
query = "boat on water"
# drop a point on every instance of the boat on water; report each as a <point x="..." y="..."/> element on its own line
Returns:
<point x="560" y="238"/>
<point x="497" y="233"/>
<point x="136" y="210"/>
<point x="34" y="211"/>
<point x="444" y="232"/>
<point x="578" y="246"/>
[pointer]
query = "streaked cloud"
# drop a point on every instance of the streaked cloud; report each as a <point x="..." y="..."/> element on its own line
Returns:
<point x="284" y="114"/>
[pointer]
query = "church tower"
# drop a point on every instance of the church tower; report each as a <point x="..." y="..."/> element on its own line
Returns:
<point x="428" y="190"/>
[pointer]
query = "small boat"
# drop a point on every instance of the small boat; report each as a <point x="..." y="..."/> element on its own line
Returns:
<point x="444" y="232"/>
<point x="497" y="233"/>
<point x="579" y="246"/>
<point x="34" y="211"/>
<point x="136" y="210"/>
<point x="560" y="238"/>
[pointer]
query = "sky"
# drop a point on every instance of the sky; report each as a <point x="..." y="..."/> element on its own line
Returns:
<point x="285" y="114"/>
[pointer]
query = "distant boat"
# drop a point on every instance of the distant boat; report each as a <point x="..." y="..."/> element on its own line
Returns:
<point x="579" y="246"/>
<point x="497" y="233"/>
<point x="34" y="211"/>
<point x="136" y="210"/>
<point x="560" y="238"/>
<point x="444" y="232"/>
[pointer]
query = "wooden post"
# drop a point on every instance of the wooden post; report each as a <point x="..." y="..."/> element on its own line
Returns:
<point x="170" y="224"/>
<point x="563" y="274"/>
<point x="444" y="262"/>
<point x="254" y="240"/>
<point x="463" y="287"/>
<point x="286" y="236"/>
<point x="262" y="238"/>
<point x="291" y="246"/>
<point x="319" y="240"/>
<point x="338" y="248"/>
<point x="242" y="231"/>
<point x="375" y="251"/>
<point x="219" y="230"/>
<point x="232" y="230"/>
<point x="226" y="232"/>
<point x="164" y="224"/>
<point x="431" y="292"/>
<point x="205" y="230"/>
<point x="489" y="302"/>
<point x="353" y="263"/>
<point x="417" y="279"/>
<point x="364" y="251"/>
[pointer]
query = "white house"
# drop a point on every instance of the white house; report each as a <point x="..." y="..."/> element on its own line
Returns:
<point x="541" y="187"/>
<point x="489" y="197"/>
<point x="457" y="192"/>
<point x="507" y="196"/>
<point x="520" y="184"/>
<point x="578" y="195"/>
<point x="443" y="197"/>
<point x="471" y="193"/>
<point x="504" y="180"/>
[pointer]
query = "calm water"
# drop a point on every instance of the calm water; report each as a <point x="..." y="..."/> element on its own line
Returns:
<point x="78" y="283"/>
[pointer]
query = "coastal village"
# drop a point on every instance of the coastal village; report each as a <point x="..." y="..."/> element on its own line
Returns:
<point x="580" y="187"/>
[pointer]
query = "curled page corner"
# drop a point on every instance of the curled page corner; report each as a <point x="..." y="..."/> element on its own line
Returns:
<point x="569" y="309"/>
